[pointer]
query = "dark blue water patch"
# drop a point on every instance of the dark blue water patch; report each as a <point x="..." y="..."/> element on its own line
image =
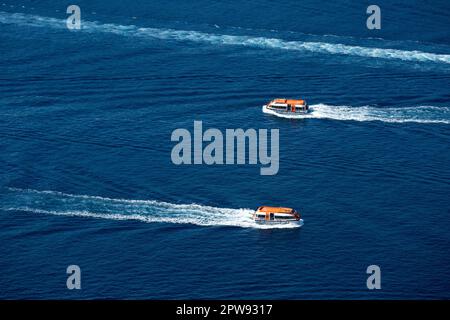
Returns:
<point x="138" y="263"/>
<point x="400" y="19"/>
<point x="86" y="176"/>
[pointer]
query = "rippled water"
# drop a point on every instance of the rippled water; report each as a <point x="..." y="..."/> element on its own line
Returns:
<point x="86" y="176"/>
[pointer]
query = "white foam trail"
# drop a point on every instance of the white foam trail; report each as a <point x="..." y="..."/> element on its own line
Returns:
<point x="149" y="211"/>
<point x="219" y="39"/>
<point x="420" y="114"/>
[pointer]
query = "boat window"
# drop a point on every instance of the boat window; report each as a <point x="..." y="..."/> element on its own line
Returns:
<point x="279" y="107"/>
<point x="261" y="216"/>
<point x="272" y="215"/>
<point x="283" y="217"/>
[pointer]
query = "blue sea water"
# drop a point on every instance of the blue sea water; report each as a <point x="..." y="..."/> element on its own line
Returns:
<point x="86" y="176"/>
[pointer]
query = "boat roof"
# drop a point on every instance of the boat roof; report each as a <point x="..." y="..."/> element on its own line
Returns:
<point x="289" y="101"/>
<point x="275" y="209"/>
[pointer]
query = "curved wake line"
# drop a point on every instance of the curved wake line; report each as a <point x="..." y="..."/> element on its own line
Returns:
<point x="148" y="211"/>
<point x="421" y="114"/>
<point x="218" y="39"/>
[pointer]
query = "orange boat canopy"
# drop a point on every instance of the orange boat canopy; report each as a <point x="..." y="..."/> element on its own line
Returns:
<point x="275" y="209"/>
<point x="290" y="101"/>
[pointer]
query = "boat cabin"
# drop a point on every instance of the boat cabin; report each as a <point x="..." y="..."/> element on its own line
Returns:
<point x="275" y="214"/>
<point x="288" y="105"/>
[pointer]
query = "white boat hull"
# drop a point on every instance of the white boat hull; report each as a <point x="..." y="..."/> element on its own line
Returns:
<point x="286" y="112"/>
<point x="274" y="222"/>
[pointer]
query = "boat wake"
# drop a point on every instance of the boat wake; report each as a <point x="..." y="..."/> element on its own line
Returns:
<point x="421" y="114"/>
<point x="320" y="47"/>
<point x="149" y="211"/>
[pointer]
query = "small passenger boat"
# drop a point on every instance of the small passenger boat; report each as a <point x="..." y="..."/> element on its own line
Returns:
<point x="287" y="106"/>
<point x="276" y="215"/>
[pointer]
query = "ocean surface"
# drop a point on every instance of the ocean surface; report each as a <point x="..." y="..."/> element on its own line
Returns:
<point x="86" y="176"/>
